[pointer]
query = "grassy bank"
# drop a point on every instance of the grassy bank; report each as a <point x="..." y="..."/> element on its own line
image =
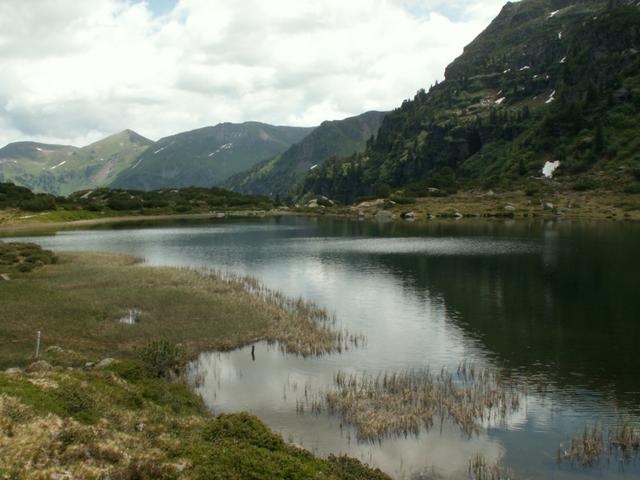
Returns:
<point x="71" y="415"/>
<point x="124" y="423"/>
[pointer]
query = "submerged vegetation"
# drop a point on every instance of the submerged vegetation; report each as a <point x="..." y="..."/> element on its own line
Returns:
<point x="595" y="443"/>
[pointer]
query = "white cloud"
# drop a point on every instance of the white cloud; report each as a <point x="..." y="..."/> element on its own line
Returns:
<point x="75" y="71"/>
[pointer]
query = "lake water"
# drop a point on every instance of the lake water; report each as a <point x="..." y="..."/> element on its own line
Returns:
<point x="555" y="304"/>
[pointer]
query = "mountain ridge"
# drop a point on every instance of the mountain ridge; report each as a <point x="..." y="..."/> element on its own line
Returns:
<point x="63" y="169"/>
<point x="207" y="156"/>
<point x="285" y="172"/>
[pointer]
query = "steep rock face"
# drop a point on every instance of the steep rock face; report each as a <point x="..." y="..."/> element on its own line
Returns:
<point x="63" y="169"/>
<point x="285" y="172"/>
<point x="207" y="156"/>
<point x="547" y="80"/>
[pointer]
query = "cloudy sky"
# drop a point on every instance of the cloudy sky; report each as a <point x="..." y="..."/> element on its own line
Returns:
<point x="75" y="71"/>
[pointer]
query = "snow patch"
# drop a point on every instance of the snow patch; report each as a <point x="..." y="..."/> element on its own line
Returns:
<point x="314" y="167"/>
<point x="226" y="146"/>
<point x="563" y="60"/>
<point x="554" y="13"/>
<point x="559" y="35"/>
<point x="552" y="97"/>
<point x="549" y="168"/>
<point x="526" y="67"/>
<point x="58" y="165"/>
<point x="163" y="148"/>
<point x="39" y="149"/>
<point x="506" y="71"/>
<point x="137" y="163"/>
<point x="501" y="100"/>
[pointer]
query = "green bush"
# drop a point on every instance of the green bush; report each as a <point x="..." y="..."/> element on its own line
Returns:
<point x="584" y="184"/>
<point x="632" y="189"/>
<point x="163" y="358"/>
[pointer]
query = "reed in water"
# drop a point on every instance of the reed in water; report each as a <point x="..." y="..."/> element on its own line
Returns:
<point x="597" y="443"/>
<point x="406" y="402"/>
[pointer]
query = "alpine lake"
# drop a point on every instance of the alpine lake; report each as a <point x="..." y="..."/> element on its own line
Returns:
<point x="552" y="307"/>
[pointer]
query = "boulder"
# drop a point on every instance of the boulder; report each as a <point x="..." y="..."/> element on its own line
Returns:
<point x="105" y="363"/>
<point x="39" y="366"/>
<point x="372" y="203"/>
<point x="547" y="206"/>
<point x="5" y="277"/>
<point x="408" y="215"/>
<point x="509" y="208"/>
<point x="13" y="371"/>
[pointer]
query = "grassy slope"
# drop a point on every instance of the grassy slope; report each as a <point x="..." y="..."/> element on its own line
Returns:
<point x="124" y="421"/>
<point x="40" y="167"/>
<point x="121" y="424"/>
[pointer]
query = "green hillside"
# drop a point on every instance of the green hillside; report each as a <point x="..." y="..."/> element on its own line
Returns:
<point x="60" y="169"/>
<point x="547" y="81"/>
<point x="286" y="172"/>
<point x="207" y="156"/>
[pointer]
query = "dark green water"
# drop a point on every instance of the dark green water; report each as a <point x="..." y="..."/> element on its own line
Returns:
<point x="554" y="304"/>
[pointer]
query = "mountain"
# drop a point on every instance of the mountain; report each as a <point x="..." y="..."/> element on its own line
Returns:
<point x="62" y="169"/>
<point x="547" y="81"/>
<point x="207" y="156"/>
<point x="286" y="172"/>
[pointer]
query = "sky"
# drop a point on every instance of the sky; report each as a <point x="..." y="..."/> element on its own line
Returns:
<point x="73" y="72"/>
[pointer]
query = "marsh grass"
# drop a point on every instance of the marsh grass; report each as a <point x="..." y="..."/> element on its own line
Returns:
<point x="404" y="403"/>
<point x="78" y="302"/>
<point x="597" y="443"/>
<point x="481" y="469"/>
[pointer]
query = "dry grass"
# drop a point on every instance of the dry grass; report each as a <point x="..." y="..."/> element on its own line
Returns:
<point x="78" y="303"/>
<point x="596" y="443"/>
<point x="406" y="402"/>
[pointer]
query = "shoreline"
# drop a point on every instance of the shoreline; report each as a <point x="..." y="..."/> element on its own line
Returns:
<point x="518" y="206"/>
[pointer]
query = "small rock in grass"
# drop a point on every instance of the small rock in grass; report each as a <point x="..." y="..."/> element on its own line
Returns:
<point x="13" y="371"/>
<point x="39" y="366"/>
<point x="5" y="277"/>
<point x="54" y="349"/>
<point x="510" y="208"/>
